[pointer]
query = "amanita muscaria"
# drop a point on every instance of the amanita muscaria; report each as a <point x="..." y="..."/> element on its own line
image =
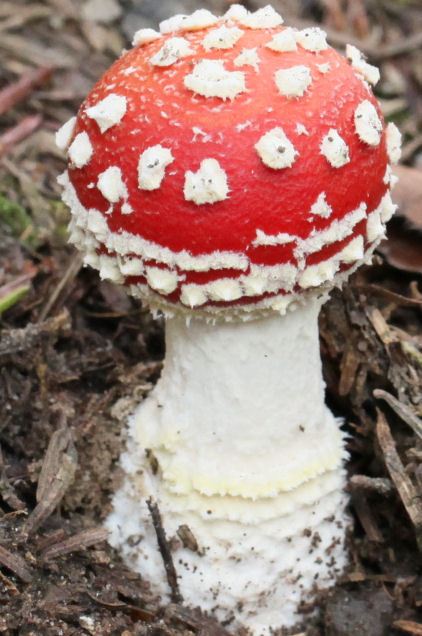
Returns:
<point x="229" y="171"/>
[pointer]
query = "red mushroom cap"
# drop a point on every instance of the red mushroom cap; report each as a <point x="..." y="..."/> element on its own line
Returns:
<point x="230" y="165"/>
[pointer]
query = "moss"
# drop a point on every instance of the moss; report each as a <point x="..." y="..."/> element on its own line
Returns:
<point x="14" y="216"/>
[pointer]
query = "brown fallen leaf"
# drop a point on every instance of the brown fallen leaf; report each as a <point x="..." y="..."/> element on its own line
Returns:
<point x="407" y="194"/>
<point x="403" y="249"/>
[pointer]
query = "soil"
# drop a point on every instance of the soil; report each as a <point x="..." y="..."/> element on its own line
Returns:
<point x="76" y="354"/>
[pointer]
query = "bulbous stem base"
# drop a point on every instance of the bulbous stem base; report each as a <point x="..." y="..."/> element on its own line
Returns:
<point x="245" y="463"/>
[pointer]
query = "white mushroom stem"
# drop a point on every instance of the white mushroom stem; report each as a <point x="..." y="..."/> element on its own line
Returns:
<point x="236" y="444"/>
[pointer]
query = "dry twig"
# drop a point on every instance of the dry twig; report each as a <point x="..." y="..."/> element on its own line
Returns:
<point x="407" y="491"/>
<point x="79" y="541"/>
<point x="401" y="410"/>
<point x="400" y="300"/>
<point x="366" y="518"/>
<point x="367" y="484"/>
<point x="15" y="93"/>
<point x="75" y="264"/>
<point x="16" y="564"/>
<point x="165" y="552"/>
<point x="198" y="623"/>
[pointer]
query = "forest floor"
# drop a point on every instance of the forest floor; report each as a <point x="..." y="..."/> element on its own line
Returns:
<point x="76" y="353"/>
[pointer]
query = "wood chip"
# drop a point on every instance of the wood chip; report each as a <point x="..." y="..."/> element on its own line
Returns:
<point x="367" y="484"/>
<point x="187" y="537"/>
<point x="401" y="410"/>
<point x="57" y="474"/>
<point x="79" y="541"/>
<point x="11" y="589"/>
<point x="366" y="518"/>
<point x="50" y="539"/>
<point x="408" y="493"/>
<point x="380" y="325"/>
<point x="16" y="564"/>
<point x="349" y="365"/>
<point x="59" y="443"/>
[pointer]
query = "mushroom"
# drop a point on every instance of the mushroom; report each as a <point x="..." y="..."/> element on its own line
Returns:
<point x="230" y="172"/>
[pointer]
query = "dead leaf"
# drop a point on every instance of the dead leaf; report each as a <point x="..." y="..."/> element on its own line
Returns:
<point x="403" y="250"/>
<point x="403" y="247"/>
<point x="408" y="194"/>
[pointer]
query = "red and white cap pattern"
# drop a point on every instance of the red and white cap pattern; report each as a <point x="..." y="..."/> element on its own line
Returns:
<point x="230" y="165"/>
